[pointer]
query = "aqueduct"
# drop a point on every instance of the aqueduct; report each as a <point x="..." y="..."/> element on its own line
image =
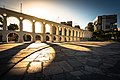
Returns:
<point x="38" y="29"/>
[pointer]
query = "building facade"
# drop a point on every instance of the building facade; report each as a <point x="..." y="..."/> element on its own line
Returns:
<point x="105" y="22"/>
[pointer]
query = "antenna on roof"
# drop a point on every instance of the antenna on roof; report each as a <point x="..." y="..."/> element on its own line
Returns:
<point x="21" y="7"/>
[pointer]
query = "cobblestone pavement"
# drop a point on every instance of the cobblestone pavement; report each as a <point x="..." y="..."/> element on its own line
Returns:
<point x="60" y="61"/>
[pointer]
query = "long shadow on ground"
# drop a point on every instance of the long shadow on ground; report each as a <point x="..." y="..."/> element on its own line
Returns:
<point x="72" y="63"/>
<point x="79" y="66"/>
<point x="6" y="57"/>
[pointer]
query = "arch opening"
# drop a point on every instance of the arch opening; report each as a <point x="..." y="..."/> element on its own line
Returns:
<point x="65" y="32"/>
<point x="47" y="38"/>
<point x="61" y="39"/>
<point x="27" y="25"/>
<point x="69" y="33"/>
<point x="1" y="22"/>
<point x="54" y="30"/>
<point x="13" y="37"/>
<point x="38" y="38"/>
<point x="60" y="31"/>
<point x="73" y="32"/>
<point x="71" y="39"/>
<point x="27" y="38"/>
<point x="38" y="27"/>
<point x="47" y="29"/>
<point x="54" y="39"/>
<point x="13" y="23"/>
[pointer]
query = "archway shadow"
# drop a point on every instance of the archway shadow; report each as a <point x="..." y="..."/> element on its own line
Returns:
<point x="101" y="55"/>
<point x="6" y="55"/>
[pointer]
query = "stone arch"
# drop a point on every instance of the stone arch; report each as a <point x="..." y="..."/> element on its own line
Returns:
<point x="79" y="34"/>
<point x="13" y="37"/>
<point x="67" y="39"/>
<point x="65" y="32"/>
<point x="47" y="28"/>
<point x="71" y="38"/>
<point x="27" y="37"/>
<point x="1" y="22"/>
<point x="61" y="39"/>
<point x="27" y="25"/>
<point x="13" y="20"/>
<point x="38" y="38"/>
<point x="38" y="27"/>
<point x="73" y="32"/>
<point x="55" y="39"/>
<point x="75" y="39"/>
<point x="60" y="31"/>
<point x="0" y="37"/>
<point x="54" y="30"/>
<point x="48" y="38"/>
<point x="78" y="39"/>
<point x="69" y="32"/>
<point x="76" y="33"/>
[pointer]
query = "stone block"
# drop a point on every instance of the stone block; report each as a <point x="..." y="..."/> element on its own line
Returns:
<point x="94" y="62"/>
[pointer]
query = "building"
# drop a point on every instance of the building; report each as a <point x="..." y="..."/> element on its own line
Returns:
<point x="105" y="22"/>
<point x="69" y="23"/>
<point x="119" y="29"/>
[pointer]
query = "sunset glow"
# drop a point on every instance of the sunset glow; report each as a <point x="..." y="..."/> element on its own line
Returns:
<point x="80" y="12"/>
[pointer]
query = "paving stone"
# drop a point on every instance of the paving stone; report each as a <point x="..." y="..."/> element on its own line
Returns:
<point x="35" y="67"/>
<point x="69" y="76"/>
<point x="65" y="66"/>
<point x="68" y="51"/>
<point x="21" y="65"/>
<point x="93" y="70"/>
<point x="82" y="54"/>
<point x="53" y="68"/>
<point x="94" y="62"/>
<point x="14" y="74"/>
<point x="105" y="66"/>
<point x="15" y="60"/>
<point x="58" y="77"/>
<point x="74" y="63"/>
<point x="33" y="56"/>
<point x="28" y="60"/>
<point x="29" y="76"/>
<point x="77" y="74"/>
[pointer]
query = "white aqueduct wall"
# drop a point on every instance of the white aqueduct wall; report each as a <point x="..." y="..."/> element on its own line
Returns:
<point x="57" y="32"/>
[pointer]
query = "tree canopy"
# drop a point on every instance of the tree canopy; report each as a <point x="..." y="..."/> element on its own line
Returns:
<point x="13" y="27"/>
<point x="1" y="20"/>
<point x="90" y="26"/>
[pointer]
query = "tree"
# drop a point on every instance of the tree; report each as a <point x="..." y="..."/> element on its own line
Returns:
<point x="13" y="27"/>
<point x="1" y="22"/>
<point x="90" y="26"/>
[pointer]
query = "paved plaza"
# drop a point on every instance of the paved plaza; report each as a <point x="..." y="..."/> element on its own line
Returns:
<point x="60" y="61"/>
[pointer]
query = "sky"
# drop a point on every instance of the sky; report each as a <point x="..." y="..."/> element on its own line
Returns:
<point x="81" y="12"/>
